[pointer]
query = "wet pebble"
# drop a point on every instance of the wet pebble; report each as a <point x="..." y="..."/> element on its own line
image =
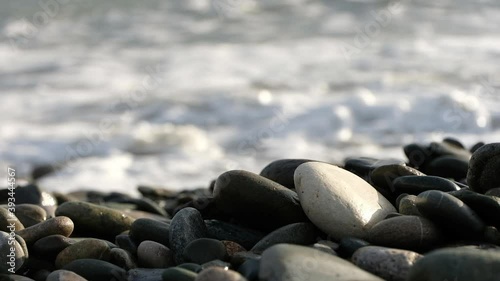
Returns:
<point x="152" y="254"/>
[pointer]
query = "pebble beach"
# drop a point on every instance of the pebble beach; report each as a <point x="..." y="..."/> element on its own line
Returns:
<point x="432" y="216"/>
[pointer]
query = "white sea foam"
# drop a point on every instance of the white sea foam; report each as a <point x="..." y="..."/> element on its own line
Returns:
<point x="175" y="93"/>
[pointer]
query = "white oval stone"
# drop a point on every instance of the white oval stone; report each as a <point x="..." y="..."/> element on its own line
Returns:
<point x="339" y="202"/>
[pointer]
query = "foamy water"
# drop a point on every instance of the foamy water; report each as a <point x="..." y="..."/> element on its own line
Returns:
<point x="173" y="94"/>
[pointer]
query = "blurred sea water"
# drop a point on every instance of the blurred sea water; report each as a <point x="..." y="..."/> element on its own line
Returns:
<point x="174" y="93"/>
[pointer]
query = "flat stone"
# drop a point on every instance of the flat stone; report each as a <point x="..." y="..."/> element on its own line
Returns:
<point x="389" y="264"/>
<point x="86" y="249"/>
<point x="150" y="229"/>
<point x="457" y="264"/>
<point x="244" y="236"/>
<point x="286" y="262"/>
<point x="64" y="275"/>
<point x="450" y="214"/>
<point x="96" y="270"/>
<point x="9" y="221"/>
<point x="30" y="214"/>
<point x="406" y="232"/>
<point x="90" y="218"/>
<point x="281" y="171"/>
<point x="178" y="274"/>
<point x="186" y="226"/>
<point x="51" y="245"/>
<point x="59" y="225"/>
<point x="301" y="233"/>
<point x="257" y="201"/>
<point x="122" y="258"/>
<point x="152" y="254"/>
<point x="417" y="184"/>
<point x="218" y="274"/>
<point x="338" y="202"/>
<point x="144" y="204"/>
<point x="484" y="165"/>
<point x="11" y="259"/>
<point x="204" y="250"/>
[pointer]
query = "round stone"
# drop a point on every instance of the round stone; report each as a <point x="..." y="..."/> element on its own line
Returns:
<point x="457" y="264"/>
<point x="450" y="214"/>
<point x="150" y="229"/>
<point x="217" y="274"/>
<point x="191" y="266"/>
<point x="257" y="201"/>
<point x="13" y="255"/>
<point x="58" y="225"/>
<point x="338" y="202"/>
<point x="281" y="171"/>
<point x="125" y="242"/>
<point x="178" y="274"/>
<point x="9" y="221"/>
<point x="152" y="254"/>
<point x="390" y="264"/>
<point x="301" y="233"/>
<point x="186" y="226"/>
<point x="91" y="219"/>
<point x="96" y="270"/>
<point x="484" y="165"/>
<point x="64" y="275"/>
<point x="448" y="167"/>
<point x="203" y="250"/>
<point x="30" y="214"/>
<point x="250" y="269"/>
<point x="85" y="249"/>
<point x="51" y="245"/>
<point x="286" y="262"/>
<point x="406" y="232"/>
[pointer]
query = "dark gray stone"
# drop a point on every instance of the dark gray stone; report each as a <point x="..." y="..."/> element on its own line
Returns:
<point x="418" y="184"/>
<point x="150" y="229"/>
<point x="483" y="170"/>
<point x="144" y="274"/>
<point x="244" y="236"/>
<point x="281" y="171"/>
<point x="96" y="270"/>
<point x="186" y="226"/>
<point x="406" y="232"/>
<point x="450" y="214"/>
<point x="301" y="233"/>
<point x="95" y="220"/>
<point x="286" y="262"/>
<point x="204" y="250"/>
<point x="257" y="201"/>
<point x="152" y="254"/>
<point x="349" y="245"/>
<point x="64" y="275"/>
<point x="448" y="167"/>
<point x="383" y="178"/>
<point x="457" y="264"/>
<point x="487" y="207"/>
<point x="85" y="249"/>
<point x="30" y="214"/>
<point x="51" y="245"/>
